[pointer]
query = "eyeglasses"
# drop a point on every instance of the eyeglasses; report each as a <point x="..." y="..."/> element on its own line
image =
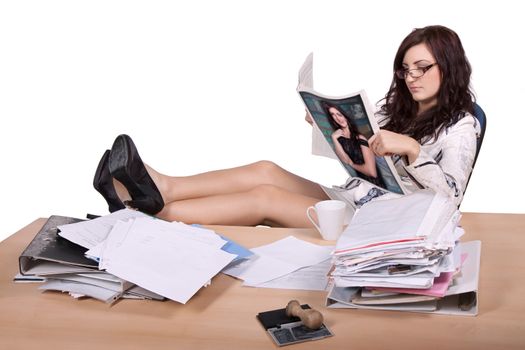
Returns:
<point x="414" y="73"/>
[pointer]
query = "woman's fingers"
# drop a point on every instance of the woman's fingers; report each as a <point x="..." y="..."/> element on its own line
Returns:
<point x="375" y="144"/>
<point x="387" y="143"/>
<point x="308" y="118"/>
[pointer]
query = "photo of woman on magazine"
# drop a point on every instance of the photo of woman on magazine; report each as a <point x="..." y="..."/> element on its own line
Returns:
<point x="350" y="146"/>
<point x="346" y="127"/>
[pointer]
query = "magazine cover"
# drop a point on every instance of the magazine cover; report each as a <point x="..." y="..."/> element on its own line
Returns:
<point x="346" y="123"/>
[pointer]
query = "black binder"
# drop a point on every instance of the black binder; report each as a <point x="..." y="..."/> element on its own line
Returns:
<point x="54" y="251"/>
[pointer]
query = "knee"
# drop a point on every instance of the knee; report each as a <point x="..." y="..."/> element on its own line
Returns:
<point x="265" y="195"/>
<point x="267" y="169"/>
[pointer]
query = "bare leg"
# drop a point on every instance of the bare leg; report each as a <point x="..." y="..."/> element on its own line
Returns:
<point x="257" y="193"/>
<point x="261" y="204"/>
<point x="227" y="181"/>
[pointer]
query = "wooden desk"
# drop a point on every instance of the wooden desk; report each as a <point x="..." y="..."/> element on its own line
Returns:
<point x="222" y="316"/>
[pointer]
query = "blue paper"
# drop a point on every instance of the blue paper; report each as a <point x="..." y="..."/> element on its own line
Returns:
<point x="235" y="248"/>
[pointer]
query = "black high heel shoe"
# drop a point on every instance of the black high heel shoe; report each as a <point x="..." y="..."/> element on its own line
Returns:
<point x="127" y="167"/>
<point x="103" y="183"/>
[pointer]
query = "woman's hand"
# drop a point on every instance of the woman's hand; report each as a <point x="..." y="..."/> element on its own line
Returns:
<point x="337" y="134"/>
<point x="387" y="143"/>
<point x="338" y="148"/>
<point x="308" y="118"/>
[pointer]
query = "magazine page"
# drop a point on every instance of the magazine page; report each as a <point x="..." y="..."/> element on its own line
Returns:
<point x="306" y="82"/>
<point x="306" y="73"/>
<point x="346" y="123"/>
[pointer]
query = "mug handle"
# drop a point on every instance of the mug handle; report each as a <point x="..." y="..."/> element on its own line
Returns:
<point x="310" y="218"/>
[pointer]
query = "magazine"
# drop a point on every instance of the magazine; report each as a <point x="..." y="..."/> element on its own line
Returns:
<point x="342" y="126"/>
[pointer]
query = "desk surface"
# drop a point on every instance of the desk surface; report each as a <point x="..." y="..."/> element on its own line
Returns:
<point x="222" y="316"/>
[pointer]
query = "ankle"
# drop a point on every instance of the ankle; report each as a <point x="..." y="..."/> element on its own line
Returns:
<point x="161" y="181"/>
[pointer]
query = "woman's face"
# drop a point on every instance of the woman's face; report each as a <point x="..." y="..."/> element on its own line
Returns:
<point x="338" y="117"/>
<point x="424" y="89"/>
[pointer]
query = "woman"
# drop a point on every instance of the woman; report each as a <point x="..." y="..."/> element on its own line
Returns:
<point x="427" y="123"/>
<point x="428" y="112"/>
<point x="350" y="146"/>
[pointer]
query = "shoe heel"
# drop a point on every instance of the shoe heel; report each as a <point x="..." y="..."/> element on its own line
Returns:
<point x="103" y="184"/>
<point x="97" y="179"/>
<point x="127" y="167"/>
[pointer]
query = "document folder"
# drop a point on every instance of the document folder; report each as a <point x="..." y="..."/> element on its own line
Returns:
<point x="461" y="297"/>
<point x="48" y="253"/>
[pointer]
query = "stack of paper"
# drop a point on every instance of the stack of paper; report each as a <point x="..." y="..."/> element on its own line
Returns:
<point x="172" y="259"/>
<point x="399" y="254"/>
<point x="130" y="255"/>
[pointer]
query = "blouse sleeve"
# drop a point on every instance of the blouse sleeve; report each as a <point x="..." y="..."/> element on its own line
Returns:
<point x="449" y="171"/>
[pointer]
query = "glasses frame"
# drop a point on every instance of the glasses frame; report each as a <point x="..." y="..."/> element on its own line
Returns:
<point x="414" y="73"/>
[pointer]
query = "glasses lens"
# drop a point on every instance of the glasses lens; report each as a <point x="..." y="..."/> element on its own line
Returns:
<point x="416" y="73"/>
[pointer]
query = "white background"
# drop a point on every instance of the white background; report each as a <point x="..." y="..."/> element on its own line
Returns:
<point x="211" y="84"/>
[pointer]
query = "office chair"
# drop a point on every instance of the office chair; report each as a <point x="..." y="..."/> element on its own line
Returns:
<point x="479" y="114"/>
<point x="482" y="119"/>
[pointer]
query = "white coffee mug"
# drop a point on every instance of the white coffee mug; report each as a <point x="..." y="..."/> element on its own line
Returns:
<point x="331" y="216"/>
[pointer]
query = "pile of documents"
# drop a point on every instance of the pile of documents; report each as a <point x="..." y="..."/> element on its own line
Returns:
<point x="403" y="254"/>
<point x="126" y="254"/>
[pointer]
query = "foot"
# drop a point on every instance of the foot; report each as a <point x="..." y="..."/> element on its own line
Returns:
<point x="127" y="167"/>
<point x="123" y="194"/>
<point x="157" y="180"/>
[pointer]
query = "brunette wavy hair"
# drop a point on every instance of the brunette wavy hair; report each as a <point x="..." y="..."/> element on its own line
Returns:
<point x="354" y="133"/>
<point x="454" y="97"/>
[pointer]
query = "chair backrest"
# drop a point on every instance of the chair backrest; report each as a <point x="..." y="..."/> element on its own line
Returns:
<point x="482" y="119"/>
<point x="479" y="114"/>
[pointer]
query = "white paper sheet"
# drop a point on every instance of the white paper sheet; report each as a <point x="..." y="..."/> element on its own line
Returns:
<point x="395" y="282"/>
<point x="278" y="259"/>
<point x="112" y="283"/>
<point x="196" y="233"/>
<point x="393" y="220"/>
<point x="313" y="277"/>
<point x="81" y="289"/>
<point x="91" y="232"/>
